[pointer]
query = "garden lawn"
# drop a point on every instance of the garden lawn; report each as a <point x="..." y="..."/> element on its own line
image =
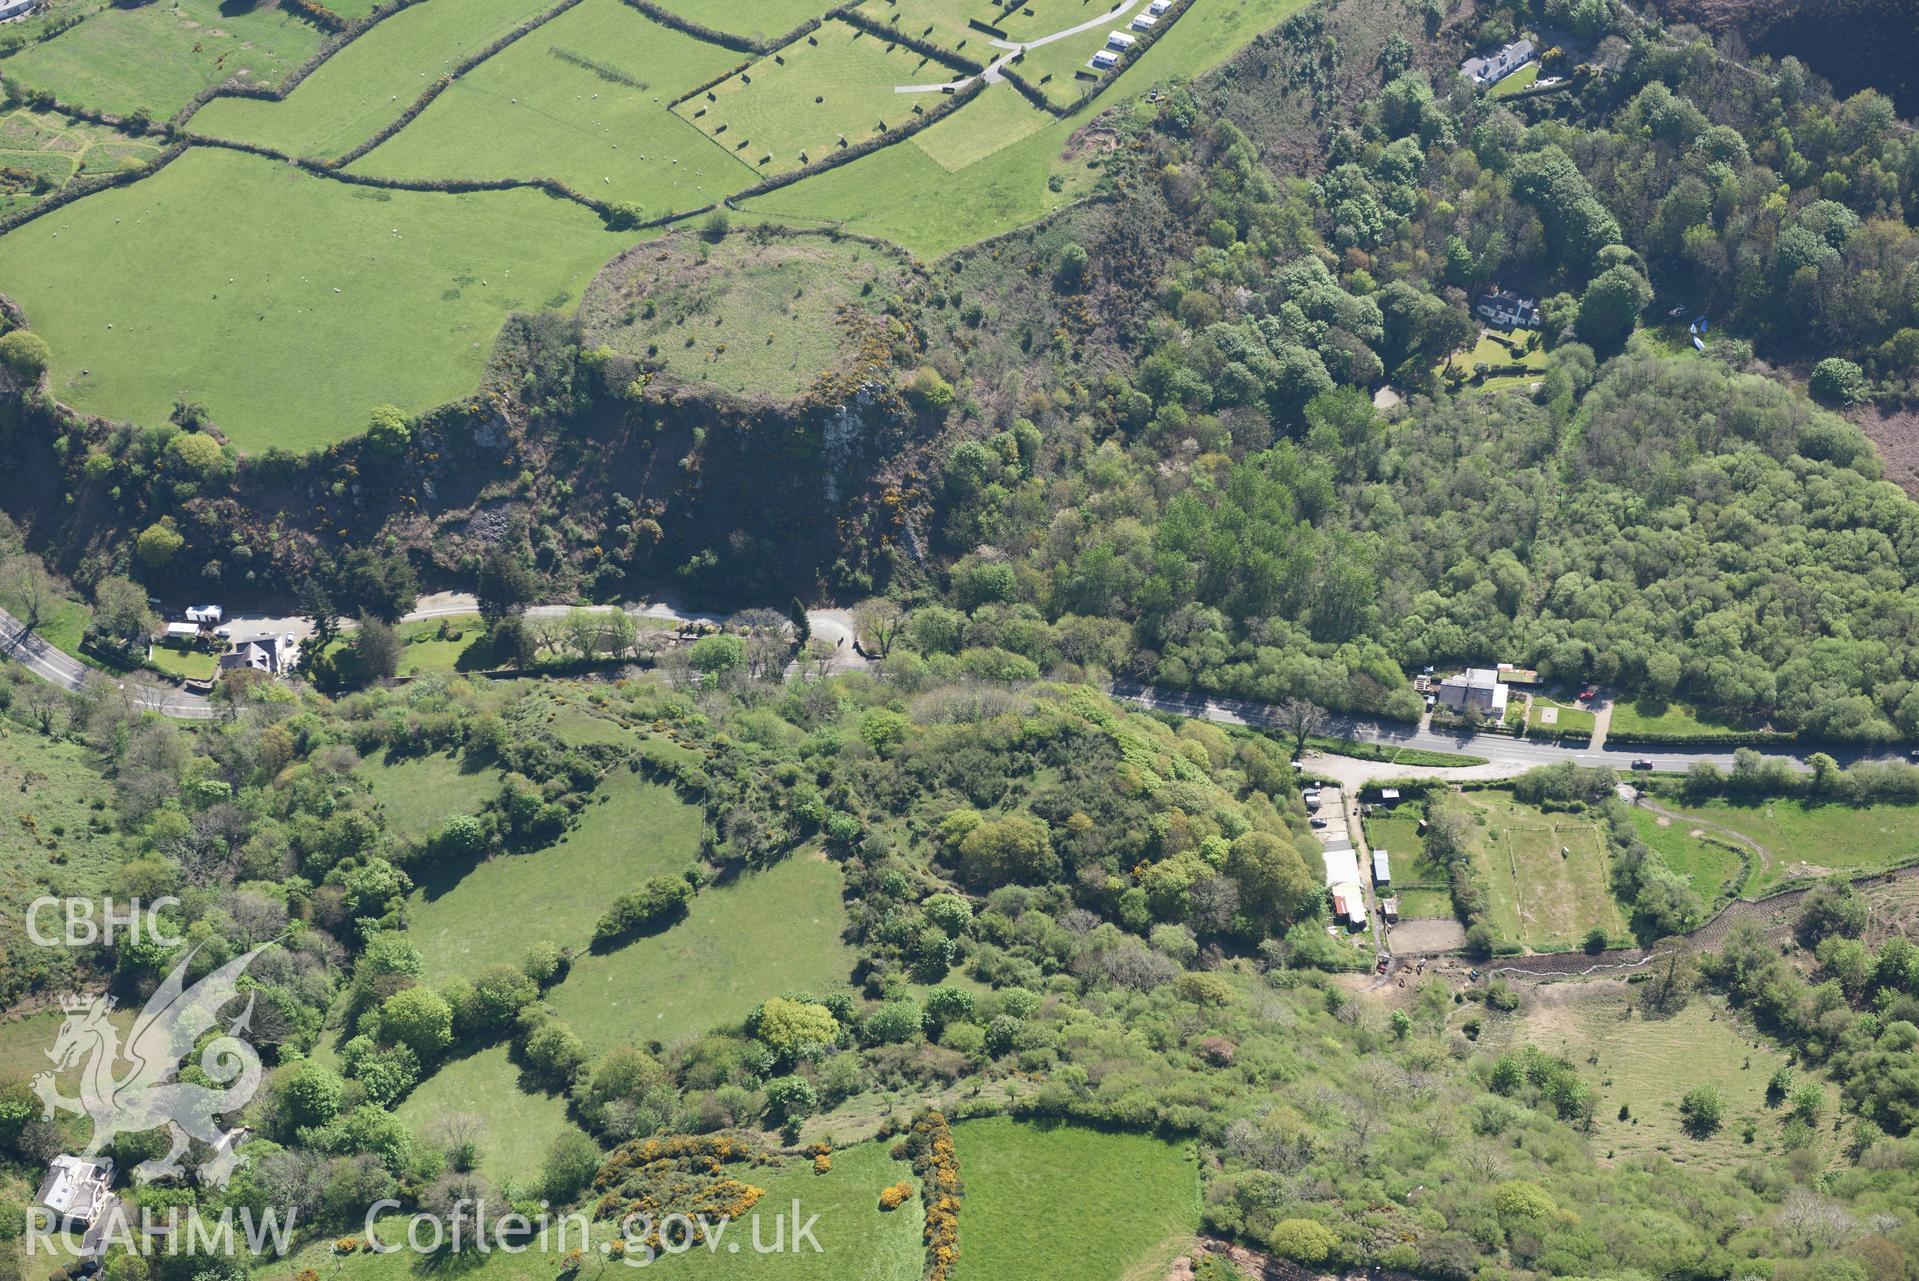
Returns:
<point x="1063" y="1203"/>
<point x="745" y="316"/>
<point x="517" y="1127"/>
<point x="289" y="305"/>
<point x="369" y="83"/>
<point x="1423" y="888"/>
<point x="754" y="19"/>
<point x="1523" y="78"/>
<point x="1540" y="898"/>
<point x="1648" y="1065"/>
<point x="1813" y="840"/>
<point x="417" y="794"/>
<point x="496" y="911"/>
<point x="155" y="57"/>
<point x="582" y="99"/>
<point x="762" y="934"/>
<point x="1707" y="860"/>
<point x="1565" y="717"/>
<point x="831" y="89"/>
<point x="187" y="664"/>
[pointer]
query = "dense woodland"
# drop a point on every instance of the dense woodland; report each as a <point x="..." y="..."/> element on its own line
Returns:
<point x="1133" y="909"/>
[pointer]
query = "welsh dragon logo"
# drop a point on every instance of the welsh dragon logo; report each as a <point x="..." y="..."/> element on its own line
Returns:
<point x="141" y="1097"/>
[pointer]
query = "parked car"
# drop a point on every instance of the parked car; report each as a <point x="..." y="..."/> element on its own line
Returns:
<point x="1317" y="821"/>
<point x="1588" y="694"/>
<point x="1642" y="764"/>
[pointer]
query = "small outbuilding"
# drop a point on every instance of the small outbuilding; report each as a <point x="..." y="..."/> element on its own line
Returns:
<point x="1382" y="868"/>
<point x="182" y="633"/>
<point x="208" y="615"/>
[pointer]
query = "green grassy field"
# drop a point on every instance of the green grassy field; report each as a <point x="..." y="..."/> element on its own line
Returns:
<point x="858" y="1240"/>
<point x="1542" y="898"/>
<point x="155" y="57"/>
<point x="1813" y="840"/>
<point x="62" y="622"/>
<point x="418" y="793"/>
<point x="534" y="110"/>
<point x="766" y="933"/>
<point x="1705" y="859"/>
<point x="830" y="89"/>
<point x="1651" y="717"/>
<point x="519" y="1126"/>
<point x="904" y="195"/>
<point x="496" y="911"/>
<point x="940" y="22"/>
<point x="47" y="841"/>
<point x="367" y="84"/>
<point x="1113" y="1205"/>
<point x="56" y="149"/>
<point x="993" y="121"/>
<point x="754" y="19"/>
<point x="1421" y="886"/>
<point x="1648" y="1065"/>
<point x="745" y="316"/>
<point x="24" y="1043"/>
<point x="445" y="645"/>
<point x="289" y="305"/>
<point x="1060" y="68"/>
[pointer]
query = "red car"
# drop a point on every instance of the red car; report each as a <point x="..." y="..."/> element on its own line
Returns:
<point x="1588" y="694"/>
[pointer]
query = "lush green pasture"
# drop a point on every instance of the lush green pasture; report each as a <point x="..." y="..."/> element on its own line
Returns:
<point x="1397" y="832"/>
<point x="1648" y="716"/>
<point x="289" y="305"/>
<point x="55" y="149"/>
<point x="997" y="118"/>
<point x="536" y="110"/>
<point x="366" y="85"/>
<point x="517" y="1126"/>
<point x="24" y="1043"/>
<point x="746" y="316"/>
<point x="155" y="57"/>
<point x="48" y="844"/>
<point x="1802" y="840"/>
<point x="498" y="910"/>
<point x="1699" y="854"/>
<point x="830" y="89"/>
<point x="755" y="19"/>
<point x="62" y="622"/>
<point x="858" y="1240"/>
<point x="941" y="22"/>
<point x="419" y="793"/>
<point x="1540" y="897"/>
<point x="904" y="195"/>
<point x="1064" y="1203"/>
<point x="763" y="934"/>
<point x="1648" y="1064"/>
